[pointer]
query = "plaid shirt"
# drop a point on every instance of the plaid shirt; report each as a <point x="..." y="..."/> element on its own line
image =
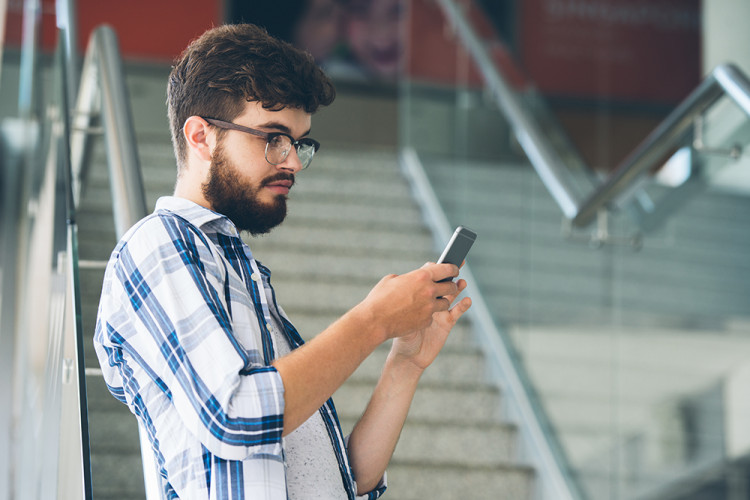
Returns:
<point x="183" y="338"/>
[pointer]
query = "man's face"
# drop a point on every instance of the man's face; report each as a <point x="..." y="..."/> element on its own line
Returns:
<point x="241" y="184"/>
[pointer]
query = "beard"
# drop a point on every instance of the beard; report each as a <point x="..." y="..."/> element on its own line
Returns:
<point x="238" y="200"/>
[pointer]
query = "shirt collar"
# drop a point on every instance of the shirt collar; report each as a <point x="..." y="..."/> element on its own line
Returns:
<point x="198" y="215"/>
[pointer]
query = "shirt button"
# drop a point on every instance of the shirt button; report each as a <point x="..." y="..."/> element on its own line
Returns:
<point x="255" y="277"/>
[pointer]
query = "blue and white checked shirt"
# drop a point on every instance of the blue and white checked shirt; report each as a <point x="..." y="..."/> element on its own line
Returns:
<point x="183" y="339"/>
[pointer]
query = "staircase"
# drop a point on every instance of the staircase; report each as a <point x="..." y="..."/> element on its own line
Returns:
<point x="352" y="220"/>
<point x="613" y="340"/>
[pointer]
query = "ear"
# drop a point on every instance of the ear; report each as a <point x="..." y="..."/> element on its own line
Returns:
<point x="199" y="138"/>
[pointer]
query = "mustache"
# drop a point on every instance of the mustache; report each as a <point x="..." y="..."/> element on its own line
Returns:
<point x="281" y="176"/>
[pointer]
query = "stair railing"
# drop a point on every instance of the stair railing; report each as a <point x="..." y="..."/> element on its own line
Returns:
<point x="44" y="428"/>
<point x="103" y="100"/>
<point x="726" y="80"/>
<point x="537" y="443"/>
<point x="103" y="95"/>
<point x="579" y="209"/>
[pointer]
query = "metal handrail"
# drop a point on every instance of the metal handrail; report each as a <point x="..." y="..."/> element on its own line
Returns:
<point x="540" y="448"/>
<point x="726" y="80"/>
<point x="543" y="158"/>
<point x="579" y="210"/>
<point x="103" y="93"/>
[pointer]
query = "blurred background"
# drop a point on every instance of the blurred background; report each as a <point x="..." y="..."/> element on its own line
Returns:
<point x="598" y="148"/>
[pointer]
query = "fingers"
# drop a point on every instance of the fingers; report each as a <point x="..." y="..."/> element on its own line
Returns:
<point x="458" y="310"/>
<point x="460" y="286"/>
<point x="407" y="302"/>
<point x="441" y="304"/>
<point x="441" y="272"/>
<point x="446" y="289"/>
<point x="454" y="291"/>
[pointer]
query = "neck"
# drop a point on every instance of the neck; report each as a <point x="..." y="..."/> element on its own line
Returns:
<point x="189" y="188"/>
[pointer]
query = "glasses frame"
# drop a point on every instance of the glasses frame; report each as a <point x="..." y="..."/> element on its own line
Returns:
<point x="269" y="136"/>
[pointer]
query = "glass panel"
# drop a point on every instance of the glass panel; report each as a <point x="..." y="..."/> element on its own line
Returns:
<point x="38" y="318"/>
<point x="8" y="228"/>
<point x="636" y="350"/>
<point x="20" y="177"/>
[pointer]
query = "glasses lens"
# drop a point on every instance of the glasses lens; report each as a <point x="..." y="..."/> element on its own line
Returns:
<point x="305" y="151"/>
<point x="305" y="156"/>
<point x="277" y="149"/>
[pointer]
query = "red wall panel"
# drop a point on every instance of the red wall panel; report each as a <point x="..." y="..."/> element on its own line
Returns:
<point x="155" y="30"/>
<point x="643" y="50"/>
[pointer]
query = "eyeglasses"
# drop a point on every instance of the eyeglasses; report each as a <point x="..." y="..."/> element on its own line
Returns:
<point x="278" y="144"/>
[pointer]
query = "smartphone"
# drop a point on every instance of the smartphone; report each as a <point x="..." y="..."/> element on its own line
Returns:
<point x="458" y="246"/>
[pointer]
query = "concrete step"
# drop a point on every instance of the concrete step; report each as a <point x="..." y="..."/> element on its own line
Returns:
<point x="288" y="263"/>
<point x="430" y="443"/>
<point x="310" y="323"/>
<point x="117" y="477"/>
<point x="456" y="365"/>
<point x="482" y="445"/>
<point x="116" y="467"/>
<point x="441" y="403"/>
<point x="417" y="481"/>
<point x="320" y="295"/>
<point x="351" y="240"/>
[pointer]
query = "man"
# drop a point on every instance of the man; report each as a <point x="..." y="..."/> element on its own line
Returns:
<point x="189" y="334"/>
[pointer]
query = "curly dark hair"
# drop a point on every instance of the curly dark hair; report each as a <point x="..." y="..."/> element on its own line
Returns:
<point x="231" y="64"/>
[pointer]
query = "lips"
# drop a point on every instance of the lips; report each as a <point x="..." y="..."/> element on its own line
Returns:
<point x="279" y="186"/>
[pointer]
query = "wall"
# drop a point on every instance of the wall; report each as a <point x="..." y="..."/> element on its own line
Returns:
<point x="727" y="39"/>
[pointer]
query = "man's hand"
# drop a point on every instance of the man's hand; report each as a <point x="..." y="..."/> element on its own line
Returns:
<point x="422" y="346"/>
<point x="401" y="304"/>
<point x="398" y="305"/>
<point x="375" y="436"/>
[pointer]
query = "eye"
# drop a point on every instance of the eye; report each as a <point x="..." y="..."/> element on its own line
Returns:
<point x="279" y="142"/>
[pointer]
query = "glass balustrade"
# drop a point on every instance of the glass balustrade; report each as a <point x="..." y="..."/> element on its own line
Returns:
<point x="43" y="445"/>
<point x="632" y="332"/>
<point x="629" y="336"/>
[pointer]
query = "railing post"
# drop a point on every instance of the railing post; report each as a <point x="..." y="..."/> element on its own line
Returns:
<point x="103" y="89"/>
<point x="124" y="167"/>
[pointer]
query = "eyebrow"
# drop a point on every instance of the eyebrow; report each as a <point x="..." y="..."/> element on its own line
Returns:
<point x="282" y="128"/>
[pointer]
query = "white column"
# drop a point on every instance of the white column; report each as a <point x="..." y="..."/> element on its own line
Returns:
<point x="725" y="34"/>
<point x="726" y="39"/>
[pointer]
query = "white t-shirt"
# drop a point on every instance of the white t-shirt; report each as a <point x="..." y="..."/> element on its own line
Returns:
<point x="312" y="471"/>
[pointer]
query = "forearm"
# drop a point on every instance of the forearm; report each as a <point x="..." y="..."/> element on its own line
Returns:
<point x="312" y="373"/>
<point x="397" y="306"/>
<point x="375" y="436"/>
